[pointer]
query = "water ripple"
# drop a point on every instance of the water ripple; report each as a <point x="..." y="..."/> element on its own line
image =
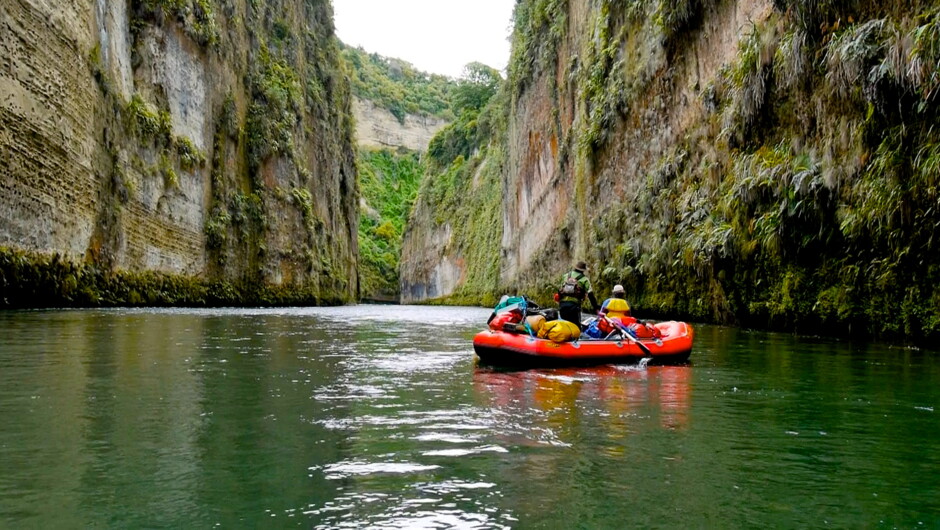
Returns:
<point x="377" y="417"/>
<point x="342" y="470"/>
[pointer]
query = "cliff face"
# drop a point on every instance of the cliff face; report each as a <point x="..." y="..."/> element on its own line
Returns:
<point x="378" y="128"/>
<point x="590" y="126"/>
<point x="390" y="168"/>
<point x="765" y="163"/>
<point x="449" y="248"/>
<point x="398" y="110"/>
<point x="209" y="139"/>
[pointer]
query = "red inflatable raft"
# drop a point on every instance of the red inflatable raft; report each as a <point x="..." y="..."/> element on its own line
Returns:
<point x="517" y="349"/>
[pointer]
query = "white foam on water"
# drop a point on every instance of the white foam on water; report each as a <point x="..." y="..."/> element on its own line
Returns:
<point x="466" y="452"/>
<point x="444" y="437"/>
<point x="346" y="469"/>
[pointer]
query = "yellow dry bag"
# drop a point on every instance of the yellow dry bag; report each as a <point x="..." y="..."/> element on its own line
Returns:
<point x="560" y="331"/>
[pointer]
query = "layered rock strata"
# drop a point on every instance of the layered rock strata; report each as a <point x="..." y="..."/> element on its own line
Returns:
<point x="206" y="139"/>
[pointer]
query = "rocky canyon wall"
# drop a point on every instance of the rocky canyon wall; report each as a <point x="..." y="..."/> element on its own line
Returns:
<point x="766" y="163"/>
<point x="152" y="141"/>
<point x="378" y="128"/>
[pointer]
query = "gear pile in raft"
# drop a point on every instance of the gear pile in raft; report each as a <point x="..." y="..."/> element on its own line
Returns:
<point x="522" y="334"/>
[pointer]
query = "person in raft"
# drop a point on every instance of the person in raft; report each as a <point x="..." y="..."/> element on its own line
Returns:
<point x="616" y="305"/>
<point x="575" y="286"/>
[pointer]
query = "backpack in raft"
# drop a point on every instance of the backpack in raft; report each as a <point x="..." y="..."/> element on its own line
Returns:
<point x="509" y="303"/>
<point x="599" y="328"/>
<point x="505" y="320"/>
<point x="645" y="330"/>
<point x="572" y="287"/>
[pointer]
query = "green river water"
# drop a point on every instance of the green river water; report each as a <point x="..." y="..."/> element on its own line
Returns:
<point x="378" y="417"/>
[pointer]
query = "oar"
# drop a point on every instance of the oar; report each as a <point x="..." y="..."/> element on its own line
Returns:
<point x="626" y="333"/>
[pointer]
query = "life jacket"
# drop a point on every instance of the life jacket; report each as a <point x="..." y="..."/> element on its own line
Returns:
<point x="571" y="288"/>
<point x="616" y="307"/>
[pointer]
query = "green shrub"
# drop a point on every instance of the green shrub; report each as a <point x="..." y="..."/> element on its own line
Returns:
<point x="147" y="121"/>
<point x="196" y="17"/>
<point x="190" y="156"/>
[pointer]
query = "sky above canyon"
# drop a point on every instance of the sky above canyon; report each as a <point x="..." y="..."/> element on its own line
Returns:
<point x="436" y="36"/>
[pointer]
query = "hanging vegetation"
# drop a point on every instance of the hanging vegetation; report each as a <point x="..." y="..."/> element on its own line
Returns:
<point x="787" y="183"/>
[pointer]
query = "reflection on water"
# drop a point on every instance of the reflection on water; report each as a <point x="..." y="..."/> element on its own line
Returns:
<point x="377" y="416"/>
<point x="620" y="391"/>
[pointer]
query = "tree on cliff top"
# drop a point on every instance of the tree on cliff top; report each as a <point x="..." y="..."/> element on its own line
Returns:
<point x="474" y="90"/>
<point x="478" y="84"/>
